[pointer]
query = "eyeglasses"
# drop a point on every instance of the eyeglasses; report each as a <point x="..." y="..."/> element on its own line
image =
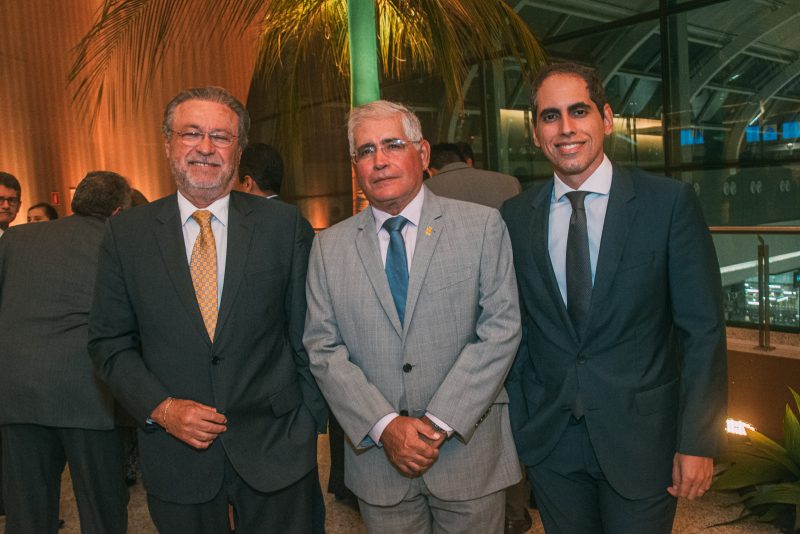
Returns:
<point x="391" y="148"/>
<point x="195" y="137"/>
<point x="12" y="201"/>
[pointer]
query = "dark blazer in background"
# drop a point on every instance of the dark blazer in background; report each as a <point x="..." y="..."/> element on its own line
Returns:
<point x="47" y="274"/>
<point x="256" y="370"/>
<point x="460" y="181"/>
<point x="652" y="363"/>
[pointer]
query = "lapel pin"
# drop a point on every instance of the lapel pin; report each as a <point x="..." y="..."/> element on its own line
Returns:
<point x="428" y="231"/>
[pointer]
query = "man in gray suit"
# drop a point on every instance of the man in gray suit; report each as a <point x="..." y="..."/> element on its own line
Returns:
<point x="618" y="393"/>
<point x="53" y="409"/>
<point x="451" y="177"/>
<point x="412" y="324"/>
<point x="454" y="177"/>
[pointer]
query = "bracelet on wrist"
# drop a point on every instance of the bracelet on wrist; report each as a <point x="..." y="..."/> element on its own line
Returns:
<point x="164" y="413"/>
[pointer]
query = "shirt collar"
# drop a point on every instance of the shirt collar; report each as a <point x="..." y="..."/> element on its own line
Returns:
<point x="599" y="182"/>
<point x="219" y="208"/>
<point x="412" y="212"/>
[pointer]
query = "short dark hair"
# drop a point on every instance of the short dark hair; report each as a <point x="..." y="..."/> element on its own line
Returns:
<point x="49" y="211"/>
<point x="101" y="193"/>
<point x="466" y="150"/>
<point x="264" y="165"/>
<point x="594" y="84"/>
<point x="137" y="198"/>
<point x="10" y="181"/>
<point x="209" y="94"/>
<point x="444" y="154"/>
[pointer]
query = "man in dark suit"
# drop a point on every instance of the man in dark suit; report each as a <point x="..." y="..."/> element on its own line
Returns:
<point x="261" y="174"/>
<point x="53" y="409"/>
<point x="451" y="177"/>
<point x="618" y="393"/>
<point x="10" y="198"/>
<point x="261" y="171"/>
<point x="197" y="327"/>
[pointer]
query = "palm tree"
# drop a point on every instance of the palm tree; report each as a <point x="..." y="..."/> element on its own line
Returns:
<point x="302" y="43"/>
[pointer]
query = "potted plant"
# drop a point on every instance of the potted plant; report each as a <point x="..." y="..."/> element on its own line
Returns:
<point x="766" y="473"/>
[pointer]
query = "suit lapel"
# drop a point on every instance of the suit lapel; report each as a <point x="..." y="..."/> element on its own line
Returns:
<point x="431" y="226"/>
<point x="619" y="215"/>
<point x="369" y="253"/>
<point x="240" y="233"/>
<point x="169" y="235"/>
<point x="539" y="230"/>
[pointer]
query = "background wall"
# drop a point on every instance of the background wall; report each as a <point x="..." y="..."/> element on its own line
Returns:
<point x="47" y="143"/>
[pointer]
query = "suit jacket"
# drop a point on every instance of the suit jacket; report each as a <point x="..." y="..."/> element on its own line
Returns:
<point x="148" y="341"/>
<point x="47" y="273"/>
<point x="460" y="181"/>
<point x="651" y="367"/>
<point x="449" y="358"/>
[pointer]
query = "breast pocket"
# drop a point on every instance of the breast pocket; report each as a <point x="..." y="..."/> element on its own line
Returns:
<point x="265" y="284"/>
<point x="451" y="278"/>
<point x="636" y="261"/>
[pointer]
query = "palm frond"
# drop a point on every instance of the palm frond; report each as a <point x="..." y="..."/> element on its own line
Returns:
<point x="303" y="46"/>
<point x="121" y="54"/>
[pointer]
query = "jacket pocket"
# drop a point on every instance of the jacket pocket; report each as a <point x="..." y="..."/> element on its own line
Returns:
<point x="285" y="400"/>
<point x="657" y="399"/>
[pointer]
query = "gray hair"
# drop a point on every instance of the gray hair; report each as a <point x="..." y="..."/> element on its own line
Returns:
<point x="101" y="193"/>
<point x="382" y="109"/>
<point x="209" y="94"/>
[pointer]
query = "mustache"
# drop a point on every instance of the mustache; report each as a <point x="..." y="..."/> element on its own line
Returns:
<point x="204" y="161"/>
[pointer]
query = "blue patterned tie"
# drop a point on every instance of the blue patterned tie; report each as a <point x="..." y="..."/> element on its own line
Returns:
<point x="397" y="264"/>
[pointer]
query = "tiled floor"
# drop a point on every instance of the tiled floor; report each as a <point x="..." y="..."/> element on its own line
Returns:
<point x="692" y="517"/>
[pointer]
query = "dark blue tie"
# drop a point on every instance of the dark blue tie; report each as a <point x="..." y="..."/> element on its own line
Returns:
<point x="579" y="274"/>
<point x="397" y="264"/>
<point x="578" y="263"/>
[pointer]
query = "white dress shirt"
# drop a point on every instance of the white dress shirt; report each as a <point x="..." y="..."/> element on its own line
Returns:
<point x="412" y="212"/>
<point x="219" y="227"/>
<point x="596" y="204"/>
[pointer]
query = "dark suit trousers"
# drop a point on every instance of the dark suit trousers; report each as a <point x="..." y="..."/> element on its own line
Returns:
<point x="574" y="496"/>
<point x="33" y="461"/>
<point x="2" y="503"/>
<point x="288" y="510"/>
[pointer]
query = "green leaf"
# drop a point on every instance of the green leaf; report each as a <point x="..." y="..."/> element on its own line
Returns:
<point x="791" y="434"/>
<point x="750" y="473"/>
<point x="787" y="493"/>
<point x="772" y="449"/>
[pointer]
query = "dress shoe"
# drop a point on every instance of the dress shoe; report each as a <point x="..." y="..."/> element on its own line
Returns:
<point x="518" y="526"/>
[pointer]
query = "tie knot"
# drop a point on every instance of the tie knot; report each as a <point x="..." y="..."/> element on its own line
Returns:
<point x="203" y="218"/>
<point x="395" y="224"/>
<point x="576" y="199"/>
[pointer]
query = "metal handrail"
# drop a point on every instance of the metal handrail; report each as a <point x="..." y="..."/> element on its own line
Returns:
<point x="754" y="229"/>
<point x="763" y="270"/>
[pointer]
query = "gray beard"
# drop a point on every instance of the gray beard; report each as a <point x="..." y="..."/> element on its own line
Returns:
<point x="208" y="192"/>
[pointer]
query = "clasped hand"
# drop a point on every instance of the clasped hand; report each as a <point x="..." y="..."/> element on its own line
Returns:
<point x="411" y="444"/>
<point x="193" y="423"/>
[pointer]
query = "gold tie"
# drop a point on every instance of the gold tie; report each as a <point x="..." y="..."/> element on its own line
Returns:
<point x="203" y="268"/>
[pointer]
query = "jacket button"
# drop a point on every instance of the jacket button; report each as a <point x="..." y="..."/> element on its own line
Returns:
<point x="581" y="359"/>
<point x="407" y="368"/>
<point x="214" y="360"/>
<point x="404" y="413"/>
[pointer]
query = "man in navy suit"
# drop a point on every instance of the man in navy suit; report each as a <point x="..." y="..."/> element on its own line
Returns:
<point x="618" y="393"/>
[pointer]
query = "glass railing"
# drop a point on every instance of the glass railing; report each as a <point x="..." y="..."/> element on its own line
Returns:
<point x="760" y="269"/>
